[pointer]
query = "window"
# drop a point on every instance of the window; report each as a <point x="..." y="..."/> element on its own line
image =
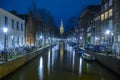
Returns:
<point x="110" y="2"/>
<point x="102" y="17"/>
<point x="106" y="15"/>
<point x="102" y="8"/>
<point x="106" y="6"/>
<point x="6" y="21"/>
<point x="21" y="27"/>
<point x="22" y="40"/>
<point x="17" y="25"/>
<point x="12" y="24"/>
<point x="110" y="12"/>
<point x="18" y="40"/>
<point x="110" y="24"/>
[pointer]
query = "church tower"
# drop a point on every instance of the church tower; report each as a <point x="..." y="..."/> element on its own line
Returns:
<point x="61" y="28"/>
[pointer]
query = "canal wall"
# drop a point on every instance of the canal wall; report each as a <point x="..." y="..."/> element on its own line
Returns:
<point x="107" y="61"/>
<point x="11" y="65"/>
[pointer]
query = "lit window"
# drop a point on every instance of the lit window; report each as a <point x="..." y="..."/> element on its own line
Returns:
<point x="106" y="15"/>
<point x="110" y="2"/>
<point x="110" y="12"/>
<point x="102" y="17"/>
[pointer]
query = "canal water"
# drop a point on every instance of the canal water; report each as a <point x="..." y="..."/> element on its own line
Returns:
<point x="61" y="63"/>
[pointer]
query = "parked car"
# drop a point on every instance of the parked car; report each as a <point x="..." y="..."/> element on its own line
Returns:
<point x="80" y="52"/>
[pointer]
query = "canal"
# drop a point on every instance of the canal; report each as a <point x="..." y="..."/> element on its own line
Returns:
<point x="61" y="63"/>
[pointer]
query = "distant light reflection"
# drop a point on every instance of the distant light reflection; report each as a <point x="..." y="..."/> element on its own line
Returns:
<point x="41" y="68"/>
<point x="53" y="56"/>
<point x="49" y="62"/>
<point x="61" y="52"/>
<point x="73" y="61"/>
<point x="88" y="66"/>
<point x="80" y="66"/>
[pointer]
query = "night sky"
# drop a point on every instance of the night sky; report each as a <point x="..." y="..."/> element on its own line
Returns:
<point x="61" y="9"/>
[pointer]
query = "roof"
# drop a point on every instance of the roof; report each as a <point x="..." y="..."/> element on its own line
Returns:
<point x="8" y="13"/>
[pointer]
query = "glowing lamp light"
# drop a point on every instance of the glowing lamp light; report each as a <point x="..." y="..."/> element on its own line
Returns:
<point x="112" y="34"/>
<point x="12" y="36"/>
<point x="41" y="37"/>
<point x="96" y="38"/>
<point x="107" y="32"/>
<point x="5" y="30"/>
<point x="80" y="37"/>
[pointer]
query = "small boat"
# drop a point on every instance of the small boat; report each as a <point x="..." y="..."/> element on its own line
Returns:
<point x="80" y="52"/>
<point x="88" y="57"/>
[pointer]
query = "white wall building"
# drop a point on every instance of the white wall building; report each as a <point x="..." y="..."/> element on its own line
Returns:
<point x="15" y="33"/>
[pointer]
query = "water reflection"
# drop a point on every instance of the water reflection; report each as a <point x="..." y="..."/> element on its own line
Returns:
<point x="41" y="68"/>
<point x="80" y="66"/>
<point x="53" y="56"/>
<point x="49" y="62"/>
<point x="73" y="60"/>
<point x="48" y="67"/>
<point x="61" y="51"/>
<point x="88" y="66"/>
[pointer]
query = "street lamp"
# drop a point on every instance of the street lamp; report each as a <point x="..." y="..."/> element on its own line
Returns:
<point x="110" y="34"/>
<point x="107" y="32"/>
<point x="5" y="32"/>
<point x="80" y="38"/>
<point x="97" y="40"/>
<point x="41" y="37"/>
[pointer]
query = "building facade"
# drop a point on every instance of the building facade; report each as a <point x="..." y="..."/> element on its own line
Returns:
<point x="97" y="26"/>
<point x="87" y="23"/>
<point x="110" y="25"/>
<point x="107" y="22"/>
<point x="15" y="33"/>
<point x="29" y="29"/>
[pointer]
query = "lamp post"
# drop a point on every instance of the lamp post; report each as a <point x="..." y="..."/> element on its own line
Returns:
<point x="41" y="40"/>
<point x="107" y="32"/>
<point x="110" y="39"/>
<point x="110" y="34"/>
<point x="5" y="33"/>
<point x="97" y="40"/>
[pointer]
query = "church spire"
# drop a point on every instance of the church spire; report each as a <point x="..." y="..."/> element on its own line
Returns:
<point x="61" y="28"/>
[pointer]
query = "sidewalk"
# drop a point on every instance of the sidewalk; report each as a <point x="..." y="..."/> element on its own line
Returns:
<point x="6" y="67"/>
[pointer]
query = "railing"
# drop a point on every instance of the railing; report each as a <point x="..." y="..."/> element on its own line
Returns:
<point x="15" y="52"/>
